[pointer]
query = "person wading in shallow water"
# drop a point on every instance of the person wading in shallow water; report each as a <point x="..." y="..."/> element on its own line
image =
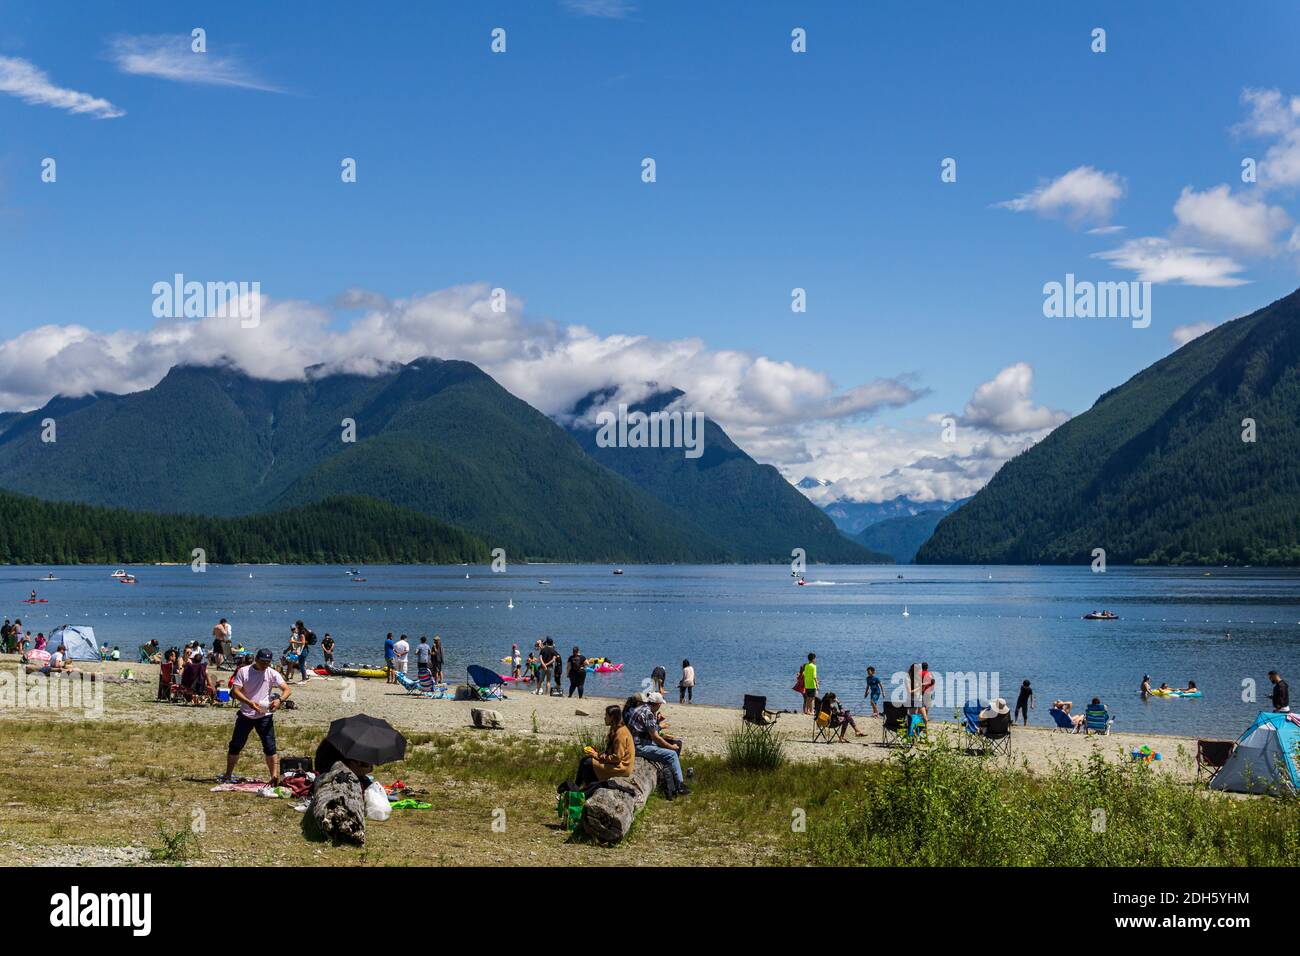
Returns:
<point x="252" y="686"/>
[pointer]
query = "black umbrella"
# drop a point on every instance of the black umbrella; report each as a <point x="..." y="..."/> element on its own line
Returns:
<point x="371" y="740"/>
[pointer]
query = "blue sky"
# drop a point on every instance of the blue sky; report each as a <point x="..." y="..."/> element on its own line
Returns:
<point x="775" y="170"/>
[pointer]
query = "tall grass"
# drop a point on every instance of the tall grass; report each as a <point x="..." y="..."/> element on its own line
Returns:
<point x="933" y="807"/>
<point x="754" y="749"/>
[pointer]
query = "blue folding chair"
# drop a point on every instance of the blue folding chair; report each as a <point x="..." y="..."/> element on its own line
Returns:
<point x="1063" y="720"/>
<point x="1097" y="720"/>
<point x="970" y="724"/>
<point x="486" y="683"/>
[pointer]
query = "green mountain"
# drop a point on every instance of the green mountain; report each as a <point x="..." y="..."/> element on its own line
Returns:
<point x="758" y="514"/>
<point x="441" y="438"/>
<point x="902" y="537"/>
<point x="1157" y="470"/>
<point x="339" y="530"/>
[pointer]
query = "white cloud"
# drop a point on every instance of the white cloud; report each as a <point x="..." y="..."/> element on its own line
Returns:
<point x="1084" y="194"/>
<point x="1240" y="222"/>
<point x="606" y="9"/>
<point x="1185" y="333"/>
<point x="170" y="57"/>
<point x="1274" y="117"/>
<point x="549" y="365"/>
<point x="1002" y="405"/>
<point x="30" y="84"/>
<point x="1159" y="260"/>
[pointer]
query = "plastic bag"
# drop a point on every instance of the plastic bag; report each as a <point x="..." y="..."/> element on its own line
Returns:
<point x="377" y="805"/>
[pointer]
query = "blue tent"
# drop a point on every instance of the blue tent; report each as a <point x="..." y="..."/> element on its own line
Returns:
<point x="1265" y="758"/>
<point x="78" y="642"/>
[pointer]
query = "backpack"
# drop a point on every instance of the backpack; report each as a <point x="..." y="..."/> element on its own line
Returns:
<point x="311" y="638"/>
<point x="569" y="805"/>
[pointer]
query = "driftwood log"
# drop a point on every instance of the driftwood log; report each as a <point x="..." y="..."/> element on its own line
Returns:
<point x="609" y="812"/>
<point x="338" y="806"/>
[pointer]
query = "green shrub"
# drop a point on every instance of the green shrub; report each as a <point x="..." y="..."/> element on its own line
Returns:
<point x="753" y="749"/>
<point x="936" y="807"/>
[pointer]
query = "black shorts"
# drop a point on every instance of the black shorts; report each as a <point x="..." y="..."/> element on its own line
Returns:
<point x="265" y="727"/>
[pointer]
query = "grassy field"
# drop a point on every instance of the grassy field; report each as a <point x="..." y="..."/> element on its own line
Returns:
<point x="72" y="785"/>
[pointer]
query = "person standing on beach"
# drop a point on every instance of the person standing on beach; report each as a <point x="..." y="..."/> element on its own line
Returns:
<point x="327" y="648"/>
<point x="252" y="686"/>
<point x="516" y="664"/>
<point x="423" y="654"/>
<point x="577" y="672"/>
<point x="1281" y="696"/>
<point x="220" y="642"/>
<point x="556" y="668"/>
<point x="875" y="690"/>
<point x="550" y="658"/>
<point x="1023" y="703"/>
<point x="400" y="651"/>
<point x="809" y="674"/>
<point x="927" y="691"/>
<point x="686" y="688"/>
<point x="436" y="659"/>
<point x="388" y="658"/>
<point x="659" y="677"/>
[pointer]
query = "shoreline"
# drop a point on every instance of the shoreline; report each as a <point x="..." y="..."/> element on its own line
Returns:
<point x="704" y="727"/>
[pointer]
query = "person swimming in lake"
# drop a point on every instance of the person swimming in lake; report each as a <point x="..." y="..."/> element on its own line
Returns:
<point x="1190" y="688"/>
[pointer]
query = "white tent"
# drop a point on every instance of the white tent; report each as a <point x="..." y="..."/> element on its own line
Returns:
<point x="78" y="642"/>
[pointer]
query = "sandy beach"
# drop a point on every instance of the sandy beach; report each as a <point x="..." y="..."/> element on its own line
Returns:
<point x="704" y="728"/>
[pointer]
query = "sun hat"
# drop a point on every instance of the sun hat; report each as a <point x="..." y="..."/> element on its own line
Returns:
<point x="654" y="697"/>
<point x="995" y="709"/>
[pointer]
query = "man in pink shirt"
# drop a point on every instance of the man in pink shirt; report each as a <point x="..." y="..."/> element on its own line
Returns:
<point x="252" y="686"/>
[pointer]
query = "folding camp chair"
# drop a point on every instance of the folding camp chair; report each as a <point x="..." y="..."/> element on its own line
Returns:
<point x="430" y="688"/>
<point x="486" y="683"/>
<point x="995" y="735"/>
<point x="412" y="687"/>
<point x="900" y="727"/>
<point x="970" y="725"/>
<point x="823" y="732"/>
<point x="757" y="714"/>
<point x="1063" y="720"/>
<point x="1211" y="755"/>
<point x="1097" y="720"/>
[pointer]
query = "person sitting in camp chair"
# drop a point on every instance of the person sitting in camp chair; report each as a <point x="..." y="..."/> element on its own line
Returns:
<point x="1064" y="719"/>
<point x="1097" y="718"/>
<point x="838" y="717"/>
<point x="995" y="727"/>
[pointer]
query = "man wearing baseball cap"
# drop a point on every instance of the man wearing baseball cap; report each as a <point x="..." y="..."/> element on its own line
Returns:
<point x="650" y="744"/>
<point x="252" y="686"/>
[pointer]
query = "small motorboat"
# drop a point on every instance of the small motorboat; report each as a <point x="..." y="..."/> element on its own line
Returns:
<point x="119" y="573"/>
<point x="801" y="582"/>
<point x="1101" y="616"/>
<point x="543" y="582"/>
<point x="126" y="579"/>
<point x="352" y="571"/>
<point x="357" y="580"/>
<point x="49" y="577"/>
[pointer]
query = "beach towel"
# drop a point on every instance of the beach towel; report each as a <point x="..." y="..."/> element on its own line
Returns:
<point x="247" y="786"/>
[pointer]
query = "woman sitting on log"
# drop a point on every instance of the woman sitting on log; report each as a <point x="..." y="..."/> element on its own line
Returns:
<point x="619" y="755"/>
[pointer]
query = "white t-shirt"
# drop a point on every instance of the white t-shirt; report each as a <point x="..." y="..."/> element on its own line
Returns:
<point x="400" y="650"/>
<point x="256" y="686"/>
<point x="688" y="676"/>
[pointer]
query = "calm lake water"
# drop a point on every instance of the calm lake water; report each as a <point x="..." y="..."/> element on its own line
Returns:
<point x="746" y="629"/>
